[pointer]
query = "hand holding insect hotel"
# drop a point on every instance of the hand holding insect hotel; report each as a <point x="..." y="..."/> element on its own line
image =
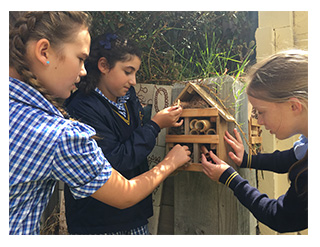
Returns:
<point x="205" y="122"/>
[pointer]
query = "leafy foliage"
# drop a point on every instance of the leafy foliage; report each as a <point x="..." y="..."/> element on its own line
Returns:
<point x="184" y="45"/>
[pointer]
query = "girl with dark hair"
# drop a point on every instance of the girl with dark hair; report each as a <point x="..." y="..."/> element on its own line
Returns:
<point x="107" y="101"/>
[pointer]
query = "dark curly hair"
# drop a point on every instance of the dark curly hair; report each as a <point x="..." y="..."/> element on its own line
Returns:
<point x="114" y="49"/>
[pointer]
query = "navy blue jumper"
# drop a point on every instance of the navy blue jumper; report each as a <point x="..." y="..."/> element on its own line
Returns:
<point x="125" y="142"/>
<point x="288" y="213"/>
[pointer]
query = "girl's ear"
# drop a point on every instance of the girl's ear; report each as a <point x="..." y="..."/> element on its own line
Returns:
<point x="296" y="105"/>
<point x="103" y="65"/>
<point x="42" y="51"/>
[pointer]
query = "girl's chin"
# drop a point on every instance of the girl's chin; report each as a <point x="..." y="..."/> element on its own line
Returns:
<point x="281" y="137"/>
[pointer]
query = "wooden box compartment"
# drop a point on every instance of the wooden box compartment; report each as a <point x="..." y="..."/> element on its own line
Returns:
<point x="201" y="127"/>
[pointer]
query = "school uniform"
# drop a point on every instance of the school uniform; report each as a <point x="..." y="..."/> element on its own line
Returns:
<point x="288" y="213"/>
<point x="45" y="147"/>
<point x="126" y="142"/>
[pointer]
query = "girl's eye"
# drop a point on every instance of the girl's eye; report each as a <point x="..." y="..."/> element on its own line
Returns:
<point x="127" y="72"/>
<point x="81" y="60"/>
<point x="256" y="113"/>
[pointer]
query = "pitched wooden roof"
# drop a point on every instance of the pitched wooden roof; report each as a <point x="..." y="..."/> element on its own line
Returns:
<point x="188" y="92"/>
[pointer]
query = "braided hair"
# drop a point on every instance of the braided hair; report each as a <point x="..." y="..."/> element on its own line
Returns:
<point x="56" y="27"/>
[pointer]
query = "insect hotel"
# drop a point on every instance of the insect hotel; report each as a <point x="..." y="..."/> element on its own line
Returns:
<point x="205" y="123"/>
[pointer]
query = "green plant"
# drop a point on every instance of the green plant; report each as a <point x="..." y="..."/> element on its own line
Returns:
<point x="184" y="45"/>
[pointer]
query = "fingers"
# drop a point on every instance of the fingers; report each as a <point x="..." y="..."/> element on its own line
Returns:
<point x="230" y="137"/>
<point x="235" y="143"/>
<point x="231" y="141"/>
<point x="234" y="157"/>
<point x="213" y="171"/>
<point x="185" y="147"/>
<point x="237" y="135"/>
<point x="204" y="163"/>
<point x="176" y="112"/>
<point x="214" y="158"/>
<point x="174" y="108"/>
<point x="178" y="124"/>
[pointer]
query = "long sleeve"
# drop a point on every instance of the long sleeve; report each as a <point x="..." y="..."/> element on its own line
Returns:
<point x="130" y="153"/>
<point x="279" y="162"/>
<point x="124" y="147"/>
<point x="288" y="213"/>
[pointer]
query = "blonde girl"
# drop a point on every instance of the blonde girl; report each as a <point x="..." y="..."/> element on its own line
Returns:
<point x="278" y="91"/>
<point x="46" y="59"/>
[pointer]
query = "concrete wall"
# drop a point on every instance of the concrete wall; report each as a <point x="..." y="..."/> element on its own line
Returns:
<point x="277" y="31"/>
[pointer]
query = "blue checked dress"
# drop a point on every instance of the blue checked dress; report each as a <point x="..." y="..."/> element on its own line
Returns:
<point x="46" y="147"/>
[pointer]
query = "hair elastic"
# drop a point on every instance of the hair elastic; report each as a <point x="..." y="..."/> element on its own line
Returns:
<point x="106" y="43"/>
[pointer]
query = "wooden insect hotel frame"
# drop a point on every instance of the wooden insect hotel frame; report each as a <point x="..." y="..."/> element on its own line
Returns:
<point x="205" y="123"/>
<point x="255" y="138"/>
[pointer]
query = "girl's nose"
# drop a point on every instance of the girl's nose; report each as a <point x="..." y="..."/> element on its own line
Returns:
<point x="133" y="81"/>
<point x="83" y="71"/>
<point x="260" y="121"/>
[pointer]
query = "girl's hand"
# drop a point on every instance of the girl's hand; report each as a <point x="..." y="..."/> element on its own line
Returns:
<point x="213" y="171"/>
<point x="122" y="193"/>
<point x="168" y="117"/>
<point x="237" y="145"/>
<point x="178" y="156"/>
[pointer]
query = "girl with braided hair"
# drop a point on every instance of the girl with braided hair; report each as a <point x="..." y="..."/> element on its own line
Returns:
<point x="47" y="54"/>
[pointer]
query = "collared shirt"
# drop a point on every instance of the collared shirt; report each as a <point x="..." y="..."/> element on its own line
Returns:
<point x="45" y="147"/>
<point x="301" y="147"/>
<point x="120" y="102"/>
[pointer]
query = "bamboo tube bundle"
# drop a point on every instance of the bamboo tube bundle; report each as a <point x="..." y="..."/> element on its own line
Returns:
<point x="194" y="132"/>
<point x="210" y="132"/>
<point x="202" y="125"/>
<point x="192" y="123"/>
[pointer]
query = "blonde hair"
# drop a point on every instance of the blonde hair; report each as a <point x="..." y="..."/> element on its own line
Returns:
<point x="277" y="79"/>
<point x="280" y="77"/>
<point x="56" y="27"/>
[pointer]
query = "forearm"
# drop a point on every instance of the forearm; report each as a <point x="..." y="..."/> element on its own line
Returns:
<point x="122" y="193"/>
<point x="279" y="162"/>
<point x="285" y="214"/>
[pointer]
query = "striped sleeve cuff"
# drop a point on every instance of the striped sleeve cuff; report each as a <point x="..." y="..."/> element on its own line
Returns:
<point x="230" y="178"/>
<point x="246" y="161"/>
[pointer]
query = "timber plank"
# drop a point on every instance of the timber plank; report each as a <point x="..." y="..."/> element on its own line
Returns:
<point x="207" y="112"/>
<point x="192" y="139"/>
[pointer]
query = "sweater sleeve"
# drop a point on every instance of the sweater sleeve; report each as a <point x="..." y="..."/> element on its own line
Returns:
<point x="130" y="153"/>
<point x="279" y="162"/>
<point x="288" y="213"/>
<point x="123" y="155"/>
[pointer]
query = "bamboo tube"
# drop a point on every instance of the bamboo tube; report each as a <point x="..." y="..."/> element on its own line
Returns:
<point x="194" y="132"/>
<point x="202" y="125"/>
<point x="210" y="132"/>
<point x="192" y="123"/>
